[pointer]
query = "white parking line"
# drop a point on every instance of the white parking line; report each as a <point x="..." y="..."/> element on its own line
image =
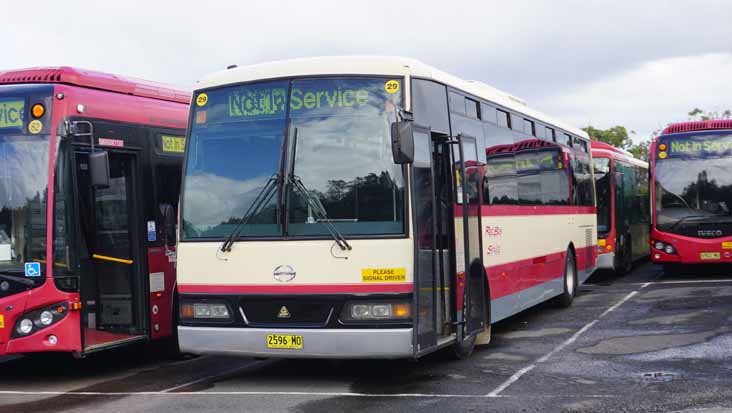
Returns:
<point x="516" y="376"/>
<point x="214" y="376"/>
<point x="688" y="282"/>
<point x="290" y="393"/>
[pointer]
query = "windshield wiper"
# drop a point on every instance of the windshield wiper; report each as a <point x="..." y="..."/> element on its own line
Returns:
<point x="317" y="207"/>
<point x="696" y="216"/>
<point x="263" y="197"/>
<point x="19" y="280"/>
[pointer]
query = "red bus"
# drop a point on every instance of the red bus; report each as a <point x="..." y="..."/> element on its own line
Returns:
<point x="89" y="181"/>
<point x="691" y="175"/>
<point x="623" y="207"/>
<point x="373" y="207"/>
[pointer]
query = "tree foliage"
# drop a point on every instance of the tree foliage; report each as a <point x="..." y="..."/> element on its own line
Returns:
<point x="616" y="136"/>
<point x="700" y="114"/>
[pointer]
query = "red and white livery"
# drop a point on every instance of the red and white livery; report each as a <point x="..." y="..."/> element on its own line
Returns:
<point x="373" y="207"/>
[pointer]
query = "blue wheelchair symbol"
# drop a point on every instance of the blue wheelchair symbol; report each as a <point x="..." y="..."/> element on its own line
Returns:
<point x="32" y="269"/>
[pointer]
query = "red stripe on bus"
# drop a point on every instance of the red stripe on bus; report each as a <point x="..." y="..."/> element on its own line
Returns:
<point x="516" y="276"/>
<point x="295" y="289"/>
<point x="500" y="210"/>
<point x="523" y="210"/>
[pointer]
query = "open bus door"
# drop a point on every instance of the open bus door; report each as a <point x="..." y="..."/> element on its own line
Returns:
<point x="110" y="253"/>
<point x="471" y="315"/>
<point x="443" y="307"/>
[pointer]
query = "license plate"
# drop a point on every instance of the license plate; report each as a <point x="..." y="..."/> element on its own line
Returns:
<point x="291" y="341"/>
<point x="709" y="255"/>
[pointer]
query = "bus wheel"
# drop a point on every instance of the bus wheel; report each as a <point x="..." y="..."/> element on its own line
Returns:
<point x="570" y="281"/>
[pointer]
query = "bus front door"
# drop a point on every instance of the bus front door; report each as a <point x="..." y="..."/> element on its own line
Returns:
<point x="432" y="206"/>
<point x="471" y="300"/>
<point x="109" y="253"/>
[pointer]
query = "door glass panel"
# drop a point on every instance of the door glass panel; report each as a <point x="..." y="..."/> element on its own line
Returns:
<point x="107" y="259"/>
<point x="424" y="228"/>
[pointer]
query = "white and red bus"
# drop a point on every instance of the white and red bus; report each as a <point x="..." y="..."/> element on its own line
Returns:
<point x="691" y="176"/>
<point x="623" y="207"/>
<point x="372" y="207"/>
<point x="90" y="167"/>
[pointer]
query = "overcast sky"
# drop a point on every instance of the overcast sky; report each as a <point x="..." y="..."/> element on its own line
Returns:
<point x="638" y="63"/>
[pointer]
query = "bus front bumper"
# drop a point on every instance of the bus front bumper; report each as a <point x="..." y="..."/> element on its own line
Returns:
<point x="317" y="343"/>
<point x="606" y="261"/>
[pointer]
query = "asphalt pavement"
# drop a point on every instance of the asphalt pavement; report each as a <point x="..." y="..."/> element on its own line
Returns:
<point x="647" y="341"/>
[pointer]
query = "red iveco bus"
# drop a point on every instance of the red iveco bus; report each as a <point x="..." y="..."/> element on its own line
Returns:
<point x="89" y="180"/>
<point x="691" y="188"/>
<point x="621" y="183"/>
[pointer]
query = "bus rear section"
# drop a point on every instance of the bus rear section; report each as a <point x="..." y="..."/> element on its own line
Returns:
<point x="323" y="215"/>
<point x="691" y="166"/>
<point x="87" y="253"/>
<point x="623" y="208"/>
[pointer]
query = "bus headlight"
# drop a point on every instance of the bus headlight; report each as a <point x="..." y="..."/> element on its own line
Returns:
<point x="205" y="311"/>
<point x="669" y="249"/>
<point x="39" y="319"/>
<point x="659" y="245"/>
<point x="25" y="326"/>
<point x="363" y="311"/>
<point x="46" y="318"/>
<point x="662" y="246"/>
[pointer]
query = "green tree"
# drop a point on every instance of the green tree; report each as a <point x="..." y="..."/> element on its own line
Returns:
<point x="616" y="136"/>
<point x="700" y="114"/>
<point x="641" y="150"/>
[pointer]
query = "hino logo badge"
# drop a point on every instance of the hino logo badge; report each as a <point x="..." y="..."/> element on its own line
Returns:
<point x="284" y="273"/>
<point x="284" y="313"/>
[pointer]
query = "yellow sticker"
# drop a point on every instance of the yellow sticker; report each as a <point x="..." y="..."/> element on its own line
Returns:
<point x="391" y="86"/>
<point x="2" y="321"/>
<point x="175" y="144"/>
<point x="383" y="275"/>
<point x="35" y="127"/>
<point x="202" y="99"/>
<point x="727" y="245"/>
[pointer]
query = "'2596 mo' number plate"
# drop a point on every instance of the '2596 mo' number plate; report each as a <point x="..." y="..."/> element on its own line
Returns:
<point x="292" y="341"/>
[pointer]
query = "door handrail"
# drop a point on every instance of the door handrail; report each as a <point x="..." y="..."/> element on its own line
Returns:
<point x="112" y="259"/>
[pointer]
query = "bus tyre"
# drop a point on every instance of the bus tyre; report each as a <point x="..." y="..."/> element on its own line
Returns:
<point x="570" y="281"/>
<point x="464" y="349"/>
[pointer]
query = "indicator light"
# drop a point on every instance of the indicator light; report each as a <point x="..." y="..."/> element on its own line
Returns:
<point x="601" y="242"/>
<point x="662" y="155"/>
<point x="37" y="110"/>
<point x="662" y="146"/>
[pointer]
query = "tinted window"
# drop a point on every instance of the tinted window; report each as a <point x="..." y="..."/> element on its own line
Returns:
<point x="583" y="193"/>
<point x="564" y="139"/>
<point x="549" y="134"/>
<point x="529" y="127"/>
<point x="517" y="123"/>
<point x="500" y="184"/>
<point x="488" y="113"/>
<point x="167" y="189"/>
<point x="471" y="108"/>
<point x="502" y="118"/>
<point x="430" y="105"/>
<point x="457" y="103"/>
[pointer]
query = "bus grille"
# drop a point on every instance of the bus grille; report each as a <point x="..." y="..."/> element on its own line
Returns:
<point x="288" y="312"/>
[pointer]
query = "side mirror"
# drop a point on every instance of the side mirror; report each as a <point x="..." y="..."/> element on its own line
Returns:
<point x="99" y="169"/>
<point x="402" y="142"/>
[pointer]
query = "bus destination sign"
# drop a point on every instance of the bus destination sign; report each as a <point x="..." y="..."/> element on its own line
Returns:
<point x="11" y="113"/>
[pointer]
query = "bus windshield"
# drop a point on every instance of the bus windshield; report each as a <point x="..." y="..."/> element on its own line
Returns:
<point x="333" y="134"/>
<point x="23" y="191"/>
<point x="604" y="195"/>
<point x="694" y="186"/>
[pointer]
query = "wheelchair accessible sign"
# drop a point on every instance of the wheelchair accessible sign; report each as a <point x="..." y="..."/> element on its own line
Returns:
<point x="32" y="269"/>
